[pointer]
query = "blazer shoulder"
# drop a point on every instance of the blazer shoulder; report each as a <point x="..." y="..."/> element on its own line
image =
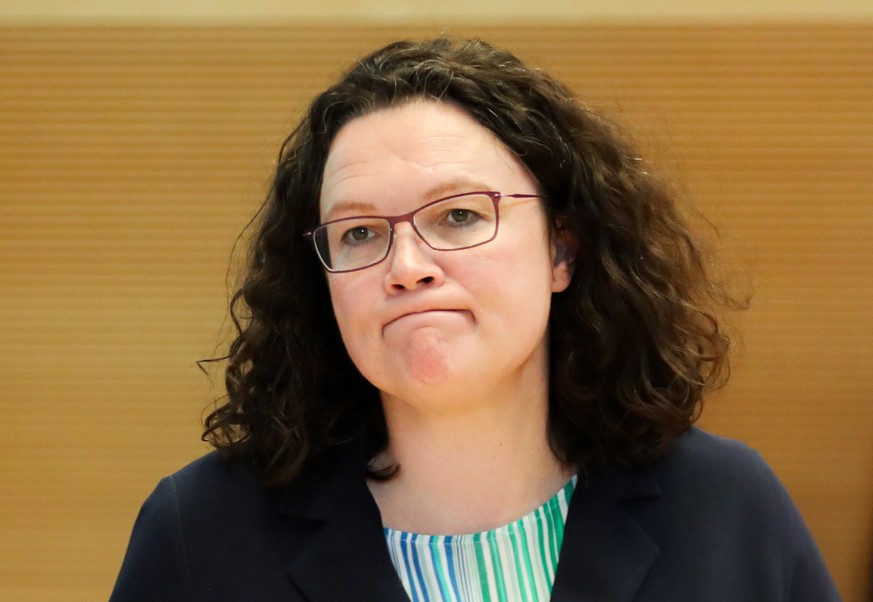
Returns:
<point x="708" y="447"/>
<point x="214" y="512"/>
<point x="726" y="489"/>
<point x="708" y="457"/>
<point x="716" y="472"/>
<point x="214" y="474"/>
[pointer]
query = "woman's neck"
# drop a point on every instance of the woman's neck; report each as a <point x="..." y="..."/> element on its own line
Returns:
<point x="467" y="470"/>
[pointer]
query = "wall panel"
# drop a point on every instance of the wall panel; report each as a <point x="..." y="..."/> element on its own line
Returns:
<point x="130" y="159"/>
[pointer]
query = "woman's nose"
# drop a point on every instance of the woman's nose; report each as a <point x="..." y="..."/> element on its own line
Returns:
<point x="411" y="262"/>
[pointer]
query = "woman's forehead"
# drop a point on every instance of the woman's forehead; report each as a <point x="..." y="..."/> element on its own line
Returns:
<point x="421" y="145"/>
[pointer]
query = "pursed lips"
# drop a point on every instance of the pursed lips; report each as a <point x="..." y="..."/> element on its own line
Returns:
<point x="422" y="312"/>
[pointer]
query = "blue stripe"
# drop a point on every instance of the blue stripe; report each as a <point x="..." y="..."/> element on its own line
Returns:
<point x="419" y="574"/>
<point x="450" y="559"/>
<point x="408" y="558"/>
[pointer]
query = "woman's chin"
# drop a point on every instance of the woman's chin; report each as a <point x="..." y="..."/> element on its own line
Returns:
<point x="425" y="356"/>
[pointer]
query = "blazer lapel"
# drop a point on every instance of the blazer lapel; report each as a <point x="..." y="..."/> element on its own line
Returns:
<point x="347" y="559"/>
<point x="605" y="555"/>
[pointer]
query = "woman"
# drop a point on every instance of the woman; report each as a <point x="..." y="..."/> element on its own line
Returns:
<point x="473" y="337"/>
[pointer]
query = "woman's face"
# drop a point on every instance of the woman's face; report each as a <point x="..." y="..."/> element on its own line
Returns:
<point x="439" y="327"/>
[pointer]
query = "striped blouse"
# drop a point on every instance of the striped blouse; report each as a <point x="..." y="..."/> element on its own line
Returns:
<point x="513" y="563"/>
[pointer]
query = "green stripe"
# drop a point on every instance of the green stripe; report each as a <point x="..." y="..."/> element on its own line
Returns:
<point x="550" y="523"/>
<point x="519" y="555"/>
<point x="543" y="539"/>
<point x="482" y="568"/>
<point x="500" y="583"/>
<point x="442" y="577"/>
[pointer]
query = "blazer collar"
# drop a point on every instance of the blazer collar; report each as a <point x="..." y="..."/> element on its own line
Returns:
<point x="605" y="555"/>
<point x="347" y="558"/>
<point x="316" y="496"/>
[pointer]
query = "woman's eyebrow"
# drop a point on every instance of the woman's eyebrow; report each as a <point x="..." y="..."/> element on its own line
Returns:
<point x="349" y="208"/>
<point x="448" y="188"/>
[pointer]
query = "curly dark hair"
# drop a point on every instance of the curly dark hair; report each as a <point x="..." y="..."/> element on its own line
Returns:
<point x="634" y="341"/>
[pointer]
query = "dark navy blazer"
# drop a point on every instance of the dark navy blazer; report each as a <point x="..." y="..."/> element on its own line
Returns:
<point x="709" y="523"/>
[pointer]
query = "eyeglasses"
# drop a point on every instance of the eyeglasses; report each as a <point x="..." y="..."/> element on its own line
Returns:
<point x="456" y="222"/>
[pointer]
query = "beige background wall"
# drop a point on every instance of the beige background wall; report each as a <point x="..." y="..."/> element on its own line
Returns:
<point x="131" y="157"/>
<point x="442" y="11"/>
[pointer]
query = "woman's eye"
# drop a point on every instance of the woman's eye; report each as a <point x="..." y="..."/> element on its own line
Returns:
<point x="461" y="217"/>
<point x="357" y="235"/>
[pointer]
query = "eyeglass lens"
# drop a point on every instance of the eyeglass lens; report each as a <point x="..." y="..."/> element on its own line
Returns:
<point x="455" y="223"/>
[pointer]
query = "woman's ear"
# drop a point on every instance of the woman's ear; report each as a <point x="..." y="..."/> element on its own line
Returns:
<point x="563" y="251"/>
